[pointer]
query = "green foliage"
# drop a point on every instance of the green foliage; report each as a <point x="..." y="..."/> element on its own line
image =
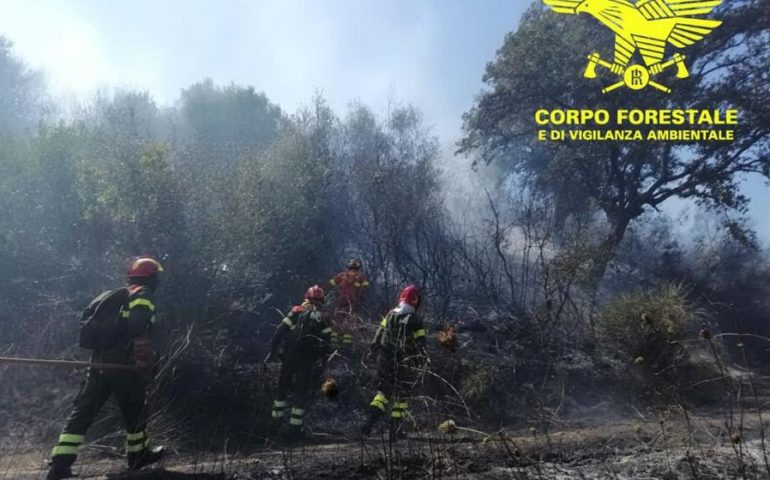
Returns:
<point x="643" y="331"/>
<point x="246" y="207"/>
<point x="643" y="323"/>
<point x="653" y="339"/>
<point x="21" y="93"/>
<point x="540" y="67"/>
<point x="231" y="117"/>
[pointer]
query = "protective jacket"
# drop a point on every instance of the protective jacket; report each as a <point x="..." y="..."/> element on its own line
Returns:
<point x="304" y="332"/>
<point x="128" y="387"/>
<point x="350" y="284"/>
<point x="138" y="321"/>
<point x="401" y="332"/>
<point x="400" y="342"/>
<point x="304" y="338"/>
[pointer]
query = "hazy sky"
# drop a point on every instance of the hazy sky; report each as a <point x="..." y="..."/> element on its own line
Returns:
<point x="430" y="53"/>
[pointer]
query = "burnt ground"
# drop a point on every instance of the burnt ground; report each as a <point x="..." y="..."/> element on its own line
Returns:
<point x="670" y="444"/>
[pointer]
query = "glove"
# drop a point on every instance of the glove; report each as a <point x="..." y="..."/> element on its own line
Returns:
<point x="142" y="352"/>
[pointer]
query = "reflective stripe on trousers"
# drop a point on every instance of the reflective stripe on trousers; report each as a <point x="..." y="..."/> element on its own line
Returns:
<point x="136" y="441"/>
<point x="279" y="408"/>
<point x="69" y="444"/>
<point x="297" y="415"/>
<point x="399" y="410"/>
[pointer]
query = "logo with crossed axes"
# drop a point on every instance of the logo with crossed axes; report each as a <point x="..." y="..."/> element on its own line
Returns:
<point x="636" y="77"/>
<point x="646" y="26"/>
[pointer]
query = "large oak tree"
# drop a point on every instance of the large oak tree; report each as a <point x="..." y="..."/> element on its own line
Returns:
<point x="540" y="66"/>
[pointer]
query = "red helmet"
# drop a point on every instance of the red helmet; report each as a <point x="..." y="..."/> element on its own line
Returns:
<point x="411" y="295"/>
<point x="144" y="267"/>
<point x="315" y="294"/>
<point x="354" y="264"/>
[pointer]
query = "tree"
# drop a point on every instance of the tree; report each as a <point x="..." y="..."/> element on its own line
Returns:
<point x="539" y="66"/>
<point x="216" y="130"/>
<point x="281" y="220"/>
<point x="21" y="92"/>
<point x="397" y="215"/>
<point x="230" y="119"/>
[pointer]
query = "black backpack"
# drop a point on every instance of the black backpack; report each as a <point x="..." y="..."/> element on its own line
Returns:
<point x="100" y="324"/>
<point x="307" y="336"/>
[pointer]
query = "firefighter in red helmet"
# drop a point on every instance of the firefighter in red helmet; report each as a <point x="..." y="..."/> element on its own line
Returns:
<point x="400" y="346"/>
<point x="129" y="344"/>
<point x="350" y="286"/>
<point x="301" y="339"/>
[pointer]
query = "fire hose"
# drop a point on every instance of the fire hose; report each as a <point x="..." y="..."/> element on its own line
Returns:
<point x="65" y="363"/>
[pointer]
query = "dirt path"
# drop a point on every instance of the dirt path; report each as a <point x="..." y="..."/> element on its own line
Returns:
<point x="662" y="448"/>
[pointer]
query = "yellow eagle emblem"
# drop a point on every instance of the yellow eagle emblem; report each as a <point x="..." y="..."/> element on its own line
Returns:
<point x="646" y="26"/>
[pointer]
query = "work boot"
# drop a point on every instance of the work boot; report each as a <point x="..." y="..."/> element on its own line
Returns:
<point x="58" y="471"/>
<point x="144" y="458"/>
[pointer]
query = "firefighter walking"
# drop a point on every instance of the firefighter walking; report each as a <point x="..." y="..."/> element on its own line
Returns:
<point x="129" y="344"/>
<point x="400" y="347"/>
<point x="350" y="285"/>
<point x="301" y="340"/>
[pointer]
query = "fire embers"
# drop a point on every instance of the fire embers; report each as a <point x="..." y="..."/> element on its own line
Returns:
<point x="329" y="388"/>
<point x="447" y="338"/>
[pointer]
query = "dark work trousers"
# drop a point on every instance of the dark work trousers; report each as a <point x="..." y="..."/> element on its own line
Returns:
<point x="396" y="375"/>
<point x="395" y="381"/>
<point x="297" y="372"/>
<point x="128" y="388"/>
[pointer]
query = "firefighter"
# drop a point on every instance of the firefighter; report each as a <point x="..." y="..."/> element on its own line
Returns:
<point x="400" y="347"/>
<point x="350" y="285"/>
<point x="301" y="340"/>
<point x="133" y="347"/>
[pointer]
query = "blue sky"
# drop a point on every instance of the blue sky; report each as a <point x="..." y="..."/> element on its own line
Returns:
<point x="430" y="53"/>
